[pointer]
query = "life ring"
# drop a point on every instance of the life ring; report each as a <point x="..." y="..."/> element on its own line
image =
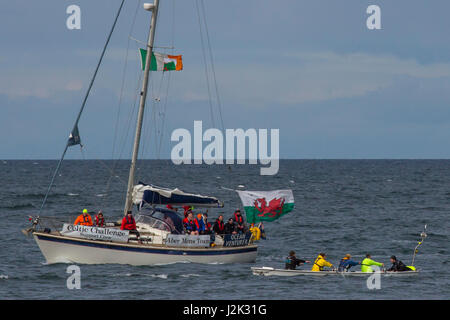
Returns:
<point x="256" y="233"/>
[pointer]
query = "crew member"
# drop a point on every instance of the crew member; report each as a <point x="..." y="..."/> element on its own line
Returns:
<point x="397" y="265"/>
<point x="200" y="224"/>
<point x="240" y="226"/>
<point x="189" y="224"/>
<point x="208" y="226"/>
<point x="219" y="226"/>
<point x="346" y="263"/>
<point x="230" y="227"/>
<point x="84" y="219"/>
<point x="99" y="220"/>
<point x="321" y="262"/>
<point x="129" y="224"/>
<point x="292" y="262"/>
<point x="187" y="209"/>
<point x="367" y="262"/>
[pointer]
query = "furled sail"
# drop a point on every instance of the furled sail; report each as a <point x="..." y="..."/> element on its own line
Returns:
<point x="143" y="193"/>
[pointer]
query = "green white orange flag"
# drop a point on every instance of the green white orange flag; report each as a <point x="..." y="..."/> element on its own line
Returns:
<point x="162" y="62"/>
<point x="266" y="205"/>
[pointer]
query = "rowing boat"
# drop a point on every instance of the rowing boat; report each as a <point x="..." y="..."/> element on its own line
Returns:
<point x="268" y="271"/>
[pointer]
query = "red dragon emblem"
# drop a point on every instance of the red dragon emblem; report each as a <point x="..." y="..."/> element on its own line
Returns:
<point x="275" y="207"/>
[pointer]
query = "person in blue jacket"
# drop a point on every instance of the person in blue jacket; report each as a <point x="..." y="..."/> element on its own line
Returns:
<point x="346" y="263"/>
<point x="200" y="223"/>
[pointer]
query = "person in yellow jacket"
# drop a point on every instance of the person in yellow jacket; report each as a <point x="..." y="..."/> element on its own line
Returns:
<point x="320" y="263"/>
<point x="367" y="262"/>
<point x="84" y="219"/>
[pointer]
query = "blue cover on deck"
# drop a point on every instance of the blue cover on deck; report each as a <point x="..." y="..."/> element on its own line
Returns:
<point x="156" y="195"/>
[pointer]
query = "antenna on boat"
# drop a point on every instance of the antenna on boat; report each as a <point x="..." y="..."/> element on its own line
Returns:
<point x="423" y="235"/>
<point x="152" y="7"/>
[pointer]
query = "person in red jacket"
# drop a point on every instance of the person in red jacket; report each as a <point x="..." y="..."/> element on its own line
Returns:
<point x="240" y="225"/>
<point x="208" y="226"/>
<point x="99" y="220"/>
<point x="219" y="226"/>
<point x="129" y="224"/>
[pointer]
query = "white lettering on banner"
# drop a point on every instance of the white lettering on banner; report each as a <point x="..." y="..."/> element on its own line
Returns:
<point x="95" y="233"/>
<point x="236" y="240"/>
<point x="185" y="240"/>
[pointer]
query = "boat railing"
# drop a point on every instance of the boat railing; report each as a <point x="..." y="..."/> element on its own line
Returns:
<point x="51" y="224"/>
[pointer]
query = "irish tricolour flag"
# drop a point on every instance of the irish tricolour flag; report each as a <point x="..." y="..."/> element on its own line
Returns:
<point x="162" y="62"/>
<point x="266" y="205"/>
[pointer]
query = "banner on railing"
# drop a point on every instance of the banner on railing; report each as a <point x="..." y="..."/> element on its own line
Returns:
<point x="95" y="233"/>
<point x="185" y="240"/>
<point x="236" y="240"/>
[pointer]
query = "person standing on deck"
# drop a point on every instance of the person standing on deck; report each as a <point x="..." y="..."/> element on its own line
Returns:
<point x="84" y="219"/>
<point x="367" y="262"/>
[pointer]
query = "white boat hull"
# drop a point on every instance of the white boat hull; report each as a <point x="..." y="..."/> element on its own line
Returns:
<point x="59" y="249"/>
<point x="267" y="271"/>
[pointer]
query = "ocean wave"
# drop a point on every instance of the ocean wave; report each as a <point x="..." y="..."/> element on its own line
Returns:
<point x="3" y="276"/>
<point x="161" y="276"/>
<point x="190" y="275"/>
<point x="18" y="206"/>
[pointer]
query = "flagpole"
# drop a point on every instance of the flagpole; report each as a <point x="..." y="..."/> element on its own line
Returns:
<point x="151" y="37"/>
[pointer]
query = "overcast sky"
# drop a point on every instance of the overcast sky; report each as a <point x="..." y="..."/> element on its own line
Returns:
<point x="309" y="68"/>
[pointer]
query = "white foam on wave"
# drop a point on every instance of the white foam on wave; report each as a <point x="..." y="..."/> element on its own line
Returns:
<point x="161" y="276"/>
<point x="3" y="276"/>
<point x="72" y="194"/>
<point x="190" y="275"/>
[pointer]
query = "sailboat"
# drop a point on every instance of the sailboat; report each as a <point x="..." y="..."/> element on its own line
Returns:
<point x="161" y="236"/>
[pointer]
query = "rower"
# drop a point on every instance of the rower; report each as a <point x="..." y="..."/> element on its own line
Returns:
<point x="367" y="262"/>
<point x="397" y="265"/>
<point x="292" y="262"/>
<point x="346" y="263"/>
<point x="320" y="263"/>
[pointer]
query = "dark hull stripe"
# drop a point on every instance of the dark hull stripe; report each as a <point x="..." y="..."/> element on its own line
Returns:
<point x="207" y="252"/>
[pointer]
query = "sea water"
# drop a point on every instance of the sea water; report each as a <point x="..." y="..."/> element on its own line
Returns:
<point x="341" y="206"/>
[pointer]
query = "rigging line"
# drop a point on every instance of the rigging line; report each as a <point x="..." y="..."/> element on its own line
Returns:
<point x="206" y="63"/>
<point x="127" y="131"/>
<point x="122" y="89"/>
<point x="164" y="116"/>
<point x="123" y="79"/>
<point x="219" y="104"/>
<point x="112" y="171"/>
<point x="83" y="104"/>
<point x="164" y="107"/>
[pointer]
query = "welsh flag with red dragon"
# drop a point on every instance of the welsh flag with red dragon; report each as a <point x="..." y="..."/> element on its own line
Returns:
<point x="266" y="205"/>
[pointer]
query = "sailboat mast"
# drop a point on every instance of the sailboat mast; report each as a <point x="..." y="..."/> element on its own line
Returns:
<point x="151" y="37"/>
